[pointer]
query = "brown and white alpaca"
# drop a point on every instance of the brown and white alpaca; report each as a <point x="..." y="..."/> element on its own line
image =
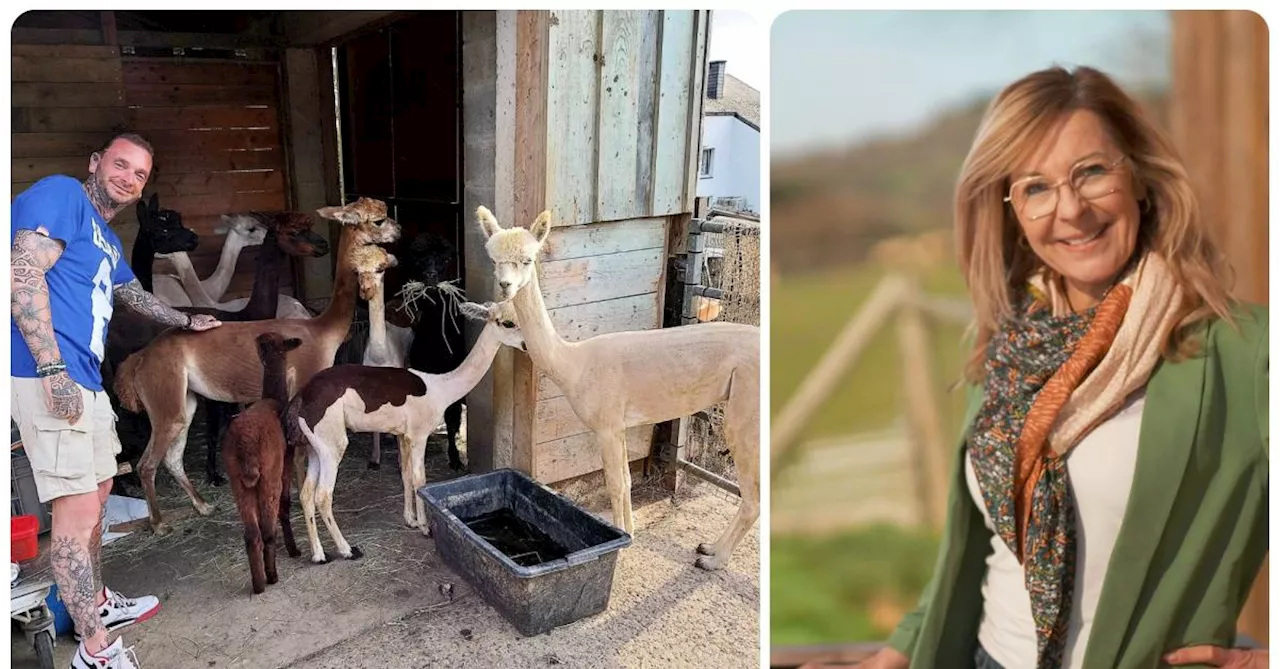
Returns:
<point x="241" y="231"/>
<point x="403" y="402"/>
<point x="379" y="351"/>
<point x="618" y="380"/>
<point x="253" y="451"/>
<point x="220" y="364"/>
<point x="287" y="306"/>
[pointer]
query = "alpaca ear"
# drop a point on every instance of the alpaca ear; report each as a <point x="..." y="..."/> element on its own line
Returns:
<point x="290" y="344"/>
<point x="391" y="261"/>
<point x="475" y="311"/>
<point x="488" y="223"/>
<point x="155" y="202"/>
<point x="541" y="226"/>
<point x="339" y="214"/>
<point x="143" y="213"/>
<point x="225" y="228"/>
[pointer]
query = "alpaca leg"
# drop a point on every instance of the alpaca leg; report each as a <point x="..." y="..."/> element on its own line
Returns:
<point x="419" y="457"/>
<point x="173" y="461"/>
<point x="286" y="524"/>
<point x="253" y="543"/>
<point x="453" y="423"/>
<point x="162" y="437"/>
<point x="162" y="398"/>
<point x="406" y="478"/>
<point x="267" y="506"/>
<point x="375" y="453"/>
<point x="742" y="432"/>
<point x="613" y="453"/>
<point x="216" y="416"/>
<point x="324" y="500"/>
<point x="307" y="497"/>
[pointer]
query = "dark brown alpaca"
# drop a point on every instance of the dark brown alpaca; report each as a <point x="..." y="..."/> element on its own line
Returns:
<point x="253" y="451"/>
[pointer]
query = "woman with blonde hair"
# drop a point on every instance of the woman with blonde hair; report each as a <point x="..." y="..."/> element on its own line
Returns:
<point x="1109" y="497"/>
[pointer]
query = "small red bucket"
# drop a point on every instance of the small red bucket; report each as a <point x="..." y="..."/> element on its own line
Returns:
<point x="23" y="538"/>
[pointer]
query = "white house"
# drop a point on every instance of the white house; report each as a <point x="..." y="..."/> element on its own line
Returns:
<point x="729" y="163"/>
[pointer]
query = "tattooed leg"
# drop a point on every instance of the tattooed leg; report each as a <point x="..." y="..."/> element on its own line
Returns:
<point x="74" y="517"/>
<point x="95" y="543"/>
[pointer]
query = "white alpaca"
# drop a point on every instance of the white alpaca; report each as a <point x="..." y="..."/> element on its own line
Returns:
<point x="187" y="289"/>
<point x="619" y="380"/>
<point x="403" y="402"/>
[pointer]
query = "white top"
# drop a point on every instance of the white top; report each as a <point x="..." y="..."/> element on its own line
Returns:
<point x="1101" y="470"/>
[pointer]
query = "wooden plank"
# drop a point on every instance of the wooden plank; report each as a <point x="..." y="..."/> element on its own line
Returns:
<point x="34" y="169"/>
<point x="109" y="34"/>
<point x="58" y="36"/>
<point x="674" y="89"/>
<point x="598" y="278"/>
<point x="198" y="94"/>
<point x="698" y="78"/>
<point x="578" y="455"/>
<point x="225" y="203"/>
<point x="556" y="420"/>
<point x="573" y="84"/>
<point x="219" y="161"/>
<point x="602" y="238"/>
<point x="67" y="95"/>
<point x="168" y="184"/>
<point x="164" y="71"/>
<point x="69" y="119"/>
<point x="50" y="51"/>
<point x="53" y="144"/>
<point x="626" y="81"/>
<point x="206" y="116"/>
<point x="66" y="70"/>
<point x="56" y="144"/>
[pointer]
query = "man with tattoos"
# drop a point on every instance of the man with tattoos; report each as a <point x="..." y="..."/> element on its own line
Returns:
<point x="67" y="268"/>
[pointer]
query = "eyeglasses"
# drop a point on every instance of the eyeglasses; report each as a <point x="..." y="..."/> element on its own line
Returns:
<point x="1092" y="178"/>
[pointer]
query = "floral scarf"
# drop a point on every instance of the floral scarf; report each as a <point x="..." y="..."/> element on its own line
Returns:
<point x="1052" y="376"/>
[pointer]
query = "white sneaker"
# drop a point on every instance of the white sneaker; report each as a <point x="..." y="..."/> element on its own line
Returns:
<point x="115" y="656"/>
<point x="120" y="611"/>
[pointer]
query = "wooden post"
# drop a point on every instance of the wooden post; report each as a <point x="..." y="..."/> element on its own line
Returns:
<point x="109" y="35"/>
<point x="928" y="450"/>
<point x="835" y="363"/>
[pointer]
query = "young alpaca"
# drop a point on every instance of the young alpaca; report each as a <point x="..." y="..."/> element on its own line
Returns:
<point x="378" y="352"/>
<point x="403" y="402"/>
<point x="253" y="451"/>
<point x="622" y="379"/>
<point x="220" y="364"/>
<point x="241" y="231"/>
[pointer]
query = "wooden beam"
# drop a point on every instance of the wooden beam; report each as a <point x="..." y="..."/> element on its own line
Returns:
<point x="109" y="35"/>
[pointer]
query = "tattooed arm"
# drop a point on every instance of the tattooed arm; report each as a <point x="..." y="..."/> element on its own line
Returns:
<point x="32" y="255"/>
<point x="133" y="296"/>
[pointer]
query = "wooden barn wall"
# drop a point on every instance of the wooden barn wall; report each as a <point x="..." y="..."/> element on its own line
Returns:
<point x="1219" y="118"/>
<point x="616" y="142"/>
<point x="215" y="126"/>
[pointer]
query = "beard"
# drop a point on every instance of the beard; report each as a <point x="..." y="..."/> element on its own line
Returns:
<point x="100" y="194"/>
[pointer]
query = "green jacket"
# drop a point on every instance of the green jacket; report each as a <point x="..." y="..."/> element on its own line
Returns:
<point x="1194" y="533"/>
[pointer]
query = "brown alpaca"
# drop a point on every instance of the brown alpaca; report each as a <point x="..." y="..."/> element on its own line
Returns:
<point x="221" y="364"/>
<point x="253" y="452"/>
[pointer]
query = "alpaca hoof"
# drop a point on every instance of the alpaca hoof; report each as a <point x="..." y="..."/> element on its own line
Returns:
<point x="206" y="510"/>
<point x="293" y="552"/>
<point x="322" y="559"/>
<point x="356" y="553"/>
<point x="708" y="563"/>
<point x="272" y="579"/>
<point x="161" y="529"/>
<point x="426" y="530"/>
<point x="375" y="465"/>
<point x="707" y="549"/>
<point x="258" y="589"/>
<point x="215" y="479"/>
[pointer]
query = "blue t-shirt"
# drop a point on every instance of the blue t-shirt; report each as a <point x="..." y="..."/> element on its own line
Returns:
<point x="80" y="282"/>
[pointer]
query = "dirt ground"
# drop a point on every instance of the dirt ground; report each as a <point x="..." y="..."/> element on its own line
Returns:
<point x="391" y="608"/>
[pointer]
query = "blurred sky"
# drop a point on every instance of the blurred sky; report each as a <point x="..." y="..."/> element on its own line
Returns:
<point x="736" y="39"/>
<point x="841" y="76"/>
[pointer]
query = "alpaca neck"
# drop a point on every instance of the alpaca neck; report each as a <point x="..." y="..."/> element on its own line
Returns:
<point x="144" y="252"/>
<point x="216" y="285"/>
<point x="274" y="386"/>
<point x="264" y="299"/>
<point x="456" y="384"/>
<point x="342" y="303"/>
<point x="377" y="323"/>
<point x="548" y="351"/>
<point x="190" y="281"/>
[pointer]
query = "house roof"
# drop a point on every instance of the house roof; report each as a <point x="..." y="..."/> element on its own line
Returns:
<point x="738" y="100"/>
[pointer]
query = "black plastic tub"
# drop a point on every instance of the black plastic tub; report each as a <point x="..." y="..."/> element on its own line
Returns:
<point x="566" y="577"/>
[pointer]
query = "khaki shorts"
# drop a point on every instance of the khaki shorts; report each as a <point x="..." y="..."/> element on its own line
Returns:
<point x="66" y="459"/>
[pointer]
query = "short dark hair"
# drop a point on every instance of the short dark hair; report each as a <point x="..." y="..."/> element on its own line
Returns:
<point x="130" y="137"/>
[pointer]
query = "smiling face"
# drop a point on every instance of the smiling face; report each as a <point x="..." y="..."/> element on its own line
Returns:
<point x="1087" y="241"/>
<point x="119" y="173"/>
<point x="513" y="251"/>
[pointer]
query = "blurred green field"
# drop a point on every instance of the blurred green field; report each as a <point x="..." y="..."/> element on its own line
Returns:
<point x="856" y="585"/>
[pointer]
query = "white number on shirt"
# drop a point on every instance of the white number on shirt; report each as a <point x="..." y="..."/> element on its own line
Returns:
<point x="101" y="309"/>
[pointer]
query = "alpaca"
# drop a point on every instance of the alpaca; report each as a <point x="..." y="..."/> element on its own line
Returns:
<point x="404" y="402"/>
<point x="253" y="451"/>
<point x="167" y="375"/>
<point x="623" y="379"/>
<point x="378" y="352"/>
<point x="240" y="231"/>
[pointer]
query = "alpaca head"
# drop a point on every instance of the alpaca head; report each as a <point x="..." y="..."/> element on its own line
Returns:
<point x="513" y="251"/>
<point x="164" y="228"/>
<point x="501" y="317"/>
<point x="244" y="229"/>
<point x="295" y="236"/>
<point x="371" y="263"/>
<point x="272" y="346"/>
<point x="366" y="220"/>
